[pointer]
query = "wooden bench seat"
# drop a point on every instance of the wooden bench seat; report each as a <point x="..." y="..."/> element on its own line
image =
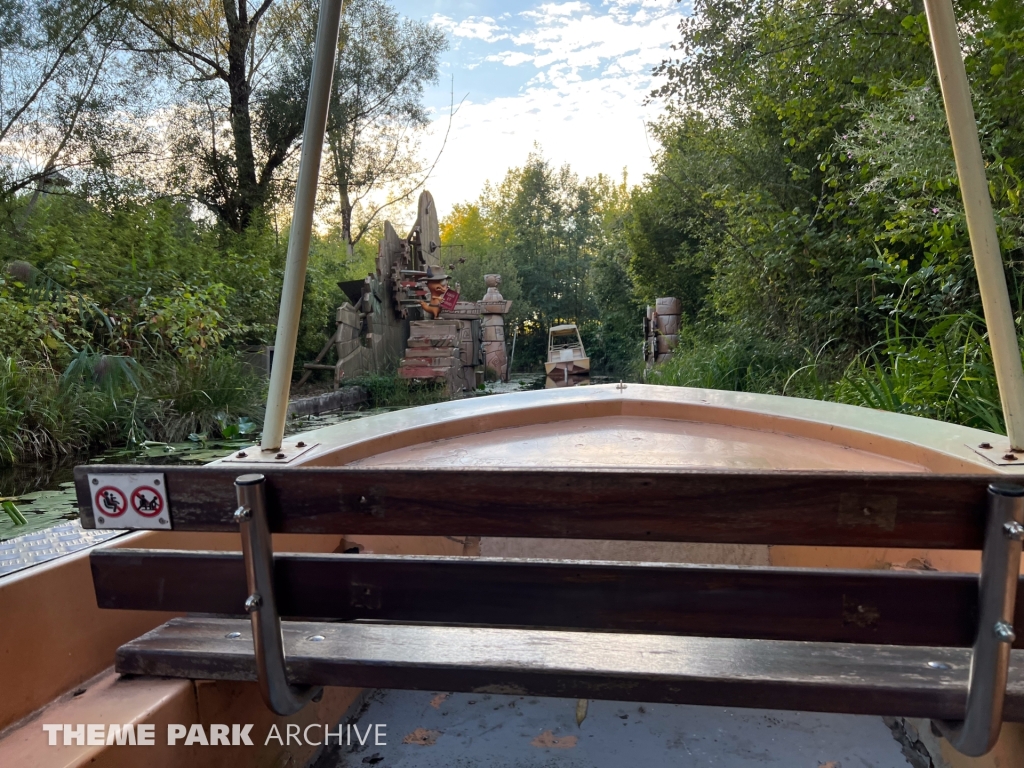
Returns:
<point x="770" y="674"/>
<point x="920" y="644"/>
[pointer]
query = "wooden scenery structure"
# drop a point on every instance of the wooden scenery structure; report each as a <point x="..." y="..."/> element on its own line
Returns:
<point x="661" y="329"/>
<point x="391" y="321"/>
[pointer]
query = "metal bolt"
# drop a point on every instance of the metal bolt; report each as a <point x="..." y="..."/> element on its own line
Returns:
<point x="1004" y="632"/>
<point x="156" y="482"/>
<point x="300" y="444"/>
<point x="95" y="481"/>
<point x="279" y="456"/>
<point x="241" y="454"/>
<point x="100" y="520"/>
<point x="938" y="665"/>
<point x="242" y="514"/>
<point x="162" y="521"/>
<point x="1013" y="531"/>
<point x="316" y="638"/>
<point x="984" y="446"/>
<point x="233" y="635"/>
<point x="1009" y="457"/>
<point x="253" y="602"/>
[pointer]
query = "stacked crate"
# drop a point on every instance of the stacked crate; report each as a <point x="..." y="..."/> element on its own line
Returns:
<point x="433" y="352"/>
<point x="661" y="329"/>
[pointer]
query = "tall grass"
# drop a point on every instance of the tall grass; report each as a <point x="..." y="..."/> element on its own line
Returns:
<point x="737" y="363"/>
<point x="103" y="400"/>
<point x="390" y="390"/>
<point x="944" y="373"/>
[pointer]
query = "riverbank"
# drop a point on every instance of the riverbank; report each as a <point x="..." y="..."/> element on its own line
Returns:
<point x="43" y="492"/>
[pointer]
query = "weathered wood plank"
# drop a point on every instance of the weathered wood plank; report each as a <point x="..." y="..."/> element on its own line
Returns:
<point x="816" y="677"/>
<point x="728" y="506"/>
<point x="879" y="607"/>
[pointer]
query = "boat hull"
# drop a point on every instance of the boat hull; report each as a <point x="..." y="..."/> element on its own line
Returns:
<point x="575" y="367"/>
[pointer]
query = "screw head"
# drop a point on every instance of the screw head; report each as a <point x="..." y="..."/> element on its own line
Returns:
<point x="156" y="482"/>
<point x="1013" y="531"/>
<point x="233" y="635"/>
<point x="162" y="521"/>
<point x="316" y="638"/>
<point x="300" y="444"/>
<point x="253" y="603"/>
<point x="1009" y="457"/>
<point x="241" y="454"/>
<point x="242" y="514"/>
<point x="95" y="481"/>
<point x="101" y="520"/>
<point x="1004" y="632"/>
<point x="279" y="456"/>
<point x="938" y="665"/>
<point x="984" y="446"/>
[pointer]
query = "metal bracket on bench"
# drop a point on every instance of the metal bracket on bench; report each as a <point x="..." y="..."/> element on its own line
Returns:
<point x="990" y="658"/>
<point x="267" y="639"/>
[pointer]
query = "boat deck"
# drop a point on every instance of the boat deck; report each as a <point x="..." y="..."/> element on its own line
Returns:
<point x="439" y="730"/>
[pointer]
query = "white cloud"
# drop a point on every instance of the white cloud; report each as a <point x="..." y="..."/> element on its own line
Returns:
<point x="585" y="75"/>
<point x="511" y="58"/>
<point x="596" y="126"/>
<point x="473" y="28"/>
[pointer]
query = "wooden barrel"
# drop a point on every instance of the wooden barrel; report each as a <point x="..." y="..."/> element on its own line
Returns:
<point x="668" y="306"/>
<point x="668" y="324"/>
<point x="667" y="343"/>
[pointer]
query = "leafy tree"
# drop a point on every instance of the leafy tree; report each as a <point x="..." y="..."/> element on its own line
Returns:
<point x="543" y="229"/>
<point x="64" y="101"/>
<point x="232" y="135"/>
<point x="377" y="112"/>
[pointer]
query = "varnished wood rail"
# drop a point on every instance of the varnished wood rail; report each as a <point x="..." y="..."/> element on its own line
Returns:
<point x="722" y="672"/>
<point x="727" y="506"/>
<point x="826" y="605"/>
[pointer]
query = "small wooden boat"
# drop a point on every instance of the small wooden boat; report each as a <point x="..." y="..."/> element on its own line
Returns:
<point x="724" y="549"/>
<point x="567" y="364"/>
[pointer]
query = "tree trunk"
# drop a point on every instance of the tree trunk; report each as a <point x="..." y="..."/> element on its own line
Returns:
<point x="344" y="201"/>
<point x="249" y="196"/>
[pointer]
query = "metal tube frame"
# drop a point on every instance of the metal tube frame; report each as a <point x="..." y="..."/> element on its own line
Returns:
<point x="325" y="55"/>
<point x="981" y="225"/>
<point x="978" y="732"/>
<point x="268" y="642"/>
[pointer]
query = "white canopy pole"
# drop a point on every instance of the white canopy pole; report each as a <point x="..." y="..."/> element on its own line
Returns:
<point x="324" y="56"/>
<point x="988" y="263"/>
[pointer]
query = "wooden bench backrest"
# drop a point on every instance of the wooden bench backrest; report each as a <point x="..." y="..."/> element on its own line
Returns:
<point x="747" y="507"/>
<point x="838" y="509"/>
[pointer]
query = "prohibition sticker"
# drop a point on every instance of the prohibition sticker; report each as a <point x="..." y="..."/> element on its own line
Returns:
<point x="147" y="501"/>
<point x="111" y="501"/>
<point x="130" y="501"/>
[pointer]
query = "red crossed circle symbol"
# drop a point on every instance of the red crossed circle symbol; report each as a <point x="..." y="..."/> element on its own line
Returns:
<point x="111" y="501"/>
<point x="145" y="505"/>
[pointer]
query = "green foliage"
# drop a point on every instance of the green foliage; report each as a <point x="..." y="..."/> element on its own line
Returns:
<point x="556" y="242"/>
<point x="805" y="206"/>
<point x="741" y="363"/>
<point x="103" y="400"/>
<point x="390" y="390"/>
<point x="945" y="374"/>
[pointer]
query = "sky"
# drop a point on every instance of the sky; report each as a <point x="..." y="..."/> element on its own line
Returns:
<point x="569" y="76"/>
